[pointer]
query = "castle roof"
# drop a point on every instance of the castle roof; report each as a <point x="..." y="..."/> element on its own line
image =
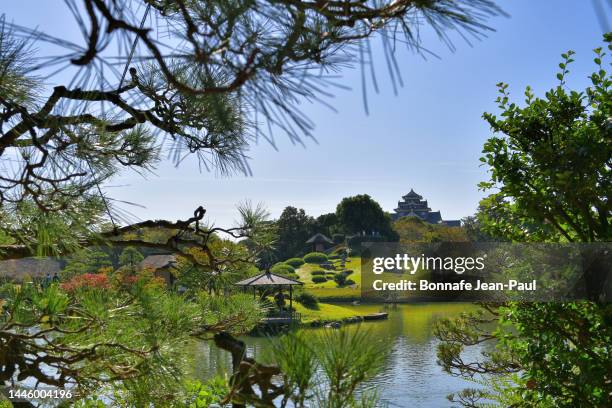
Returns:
<point x="412" y="195"/>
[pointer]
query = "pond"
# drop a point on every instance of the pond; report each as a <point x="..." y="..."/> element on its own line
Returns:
<point x="410" y="378"/>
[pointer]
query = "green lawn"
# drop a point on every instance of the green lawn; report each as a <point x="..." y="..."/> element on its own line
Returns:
<point x="330" y="290"/>
<point x="325" y="312"/>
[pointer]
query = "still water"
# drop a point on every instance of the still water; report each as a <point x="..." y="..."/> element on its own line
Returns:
<point x="410" y="377"/>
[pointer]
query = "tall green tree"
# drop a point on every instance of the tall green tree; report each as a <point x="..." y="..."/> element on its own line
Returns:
<point x="327" y="223"/>
<point x="550" y="164"/>
<point x="294" y="227"/>
<point x="360" y="213"/>
<point x="85" y="261"/>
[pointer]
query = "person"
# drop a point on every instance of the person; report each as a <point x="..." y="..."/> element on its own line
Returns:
<point x="55" y="278"/>
<point x="280" y="299"/>
<point x="47" y="280"/>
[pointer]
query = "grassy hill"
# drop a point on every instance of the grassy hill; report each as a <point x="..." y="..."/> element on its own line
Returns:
<point x="329" y="290"/>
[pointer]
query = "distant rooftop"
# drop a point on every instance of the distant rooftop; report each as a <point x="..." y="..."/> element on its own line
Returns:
<point x="413" y="205"/>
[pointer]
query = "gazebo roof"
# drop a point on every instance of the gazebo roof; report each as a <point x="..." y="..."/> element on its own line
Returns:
<point x="268" y="279"/>
<point x="319" y="238"/>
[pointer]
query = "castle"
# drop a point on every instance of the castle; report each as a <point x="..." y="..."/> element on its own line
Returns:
<point x="413" y="205"/>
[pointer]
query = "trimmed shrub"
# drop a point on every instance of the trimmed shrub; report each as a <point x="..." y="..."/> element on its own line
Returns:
<point x="347" y="272"/>
<point x="349" y="282"/>
<point x="295" y="262"/>
<point x="315" y="273"/>
<point x="319" y="279"/>
<point x="315" y="258"/>
<point x="307" y="300"/>
<point x="282" y="269"/>
<point x="340" y="279"/>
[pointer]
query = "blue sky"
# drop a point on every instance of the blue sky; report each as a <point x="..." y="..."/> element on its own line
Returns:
<point x="428" y="137"/>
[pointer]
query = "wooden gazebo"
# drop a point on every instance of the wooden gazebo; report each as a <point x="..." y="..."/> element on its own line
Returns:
<point x="270" y="280"/>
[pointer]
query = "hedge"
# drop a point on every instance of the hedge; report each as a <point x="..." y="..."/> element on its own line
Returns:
<point x="282" y="269"/>
<point x="315" y="273"/>
<point x="315" y="258"/>
<point x="319" y="279"/>
<point x="307" y="299"/>
<point x="295" y="262"/>
<point x="340" y="279"/>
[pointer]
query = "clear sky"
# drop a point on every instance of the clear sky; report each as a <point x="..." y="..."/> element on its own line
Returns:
<point x="428" y="137"/>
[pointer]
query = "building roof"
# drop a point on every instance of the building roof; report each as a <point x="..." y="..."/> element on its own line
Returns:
<point x="156" y="262"/>
<point x="433" y="217"/>
<point x="268" y="279"/>
<point x="412" y="194"/>
<point x="319" y="238"/>
<point x="32" y="267"/>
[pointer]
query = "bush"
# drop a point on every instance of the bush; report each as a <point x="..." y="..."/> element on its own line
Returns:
<point x="319" y="279"/>
<point x="315" y="258"/>
<point x="349" y="282"/>
<point x="282" y="269"/>
<point x="295" y="262"/>
<point x="315" y="273"/>
<point x="340" y="279"/>
<point x="87" y="280"/>
<point x="307" y="300"/>
<point x="347" y="272"/>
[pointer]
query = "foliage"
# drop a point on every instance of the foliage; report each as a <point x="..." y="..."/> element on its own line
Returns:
<point x="111" y="337"/>
<point x="492" y="392"/>
<point x="550" y="161"/>
<point x="318" y="272"/>
<point x="130" y="257"/>
<point x="308" y="300"/>
<point x="360" y="214"/>
<point x="294" y="228"/>
<point x="282" y="269"/>
<point x="327" y="223"/>
<point x="340" y="279"/>
<point x="413" y="229"/>
<point x="550" y="168"/>
<point x="87" y="260"/>
<point x="344" y="358"/>
<point x="86" y="280"/>
<point x="474" y="229"/>
<point x="295" y="262"/>
<point x="315" y="257"/>
<point x="319" y="279"/>
<point x="203" y="395"/>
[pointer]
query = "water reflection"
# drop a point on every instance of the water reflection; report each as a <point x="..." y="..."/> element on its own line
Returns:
<point x="410" y="378"/>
